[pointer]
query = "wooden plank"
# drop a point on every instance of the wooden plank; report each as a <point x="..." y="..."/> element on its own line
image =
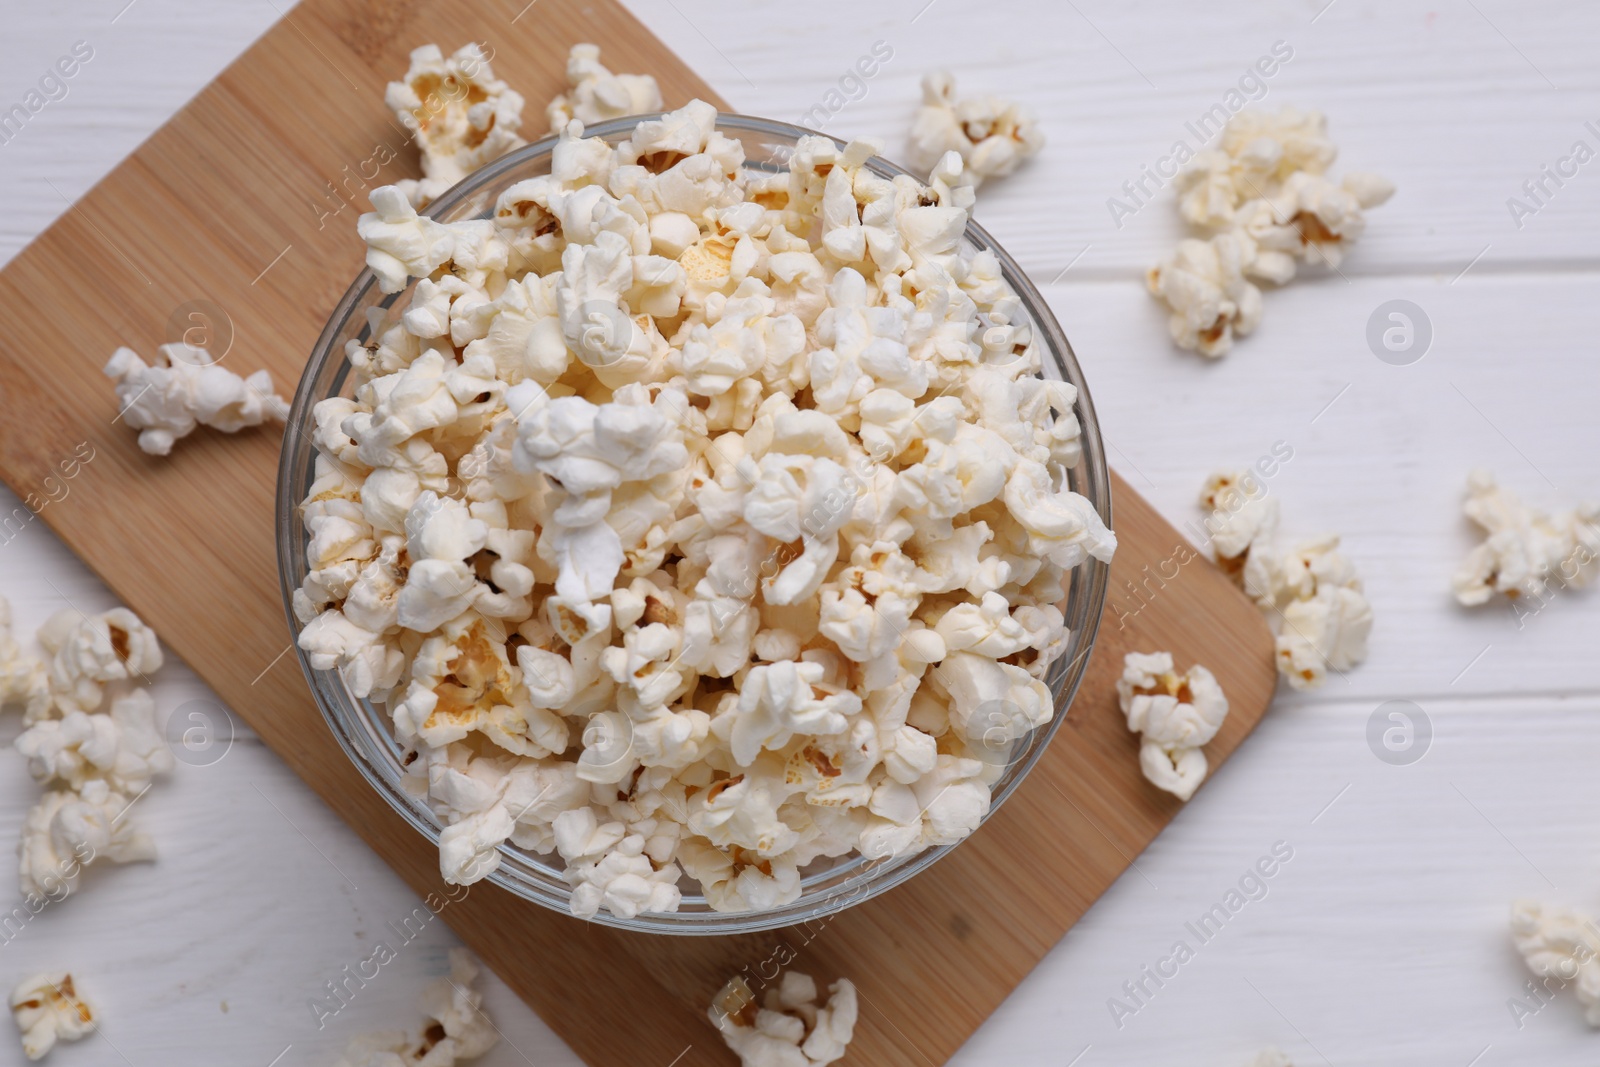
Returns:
<point x="227" y="204"/>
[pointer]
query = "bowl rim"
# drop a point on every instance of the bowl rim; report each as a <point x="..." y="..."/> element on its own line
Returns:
<point x="298" y="451"/>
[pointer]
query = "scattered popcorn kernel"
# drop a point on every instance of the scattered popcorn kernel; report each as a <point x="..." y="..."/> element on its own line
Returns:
<point x="594" y="94"/>
<point x="1175" y="714"/>
<point x="89" y="652"/>
<point x="1311" y="595"/>
<point x="1326" y="618"/>
<point x="1562" y="945"/>
<point x="123" y="747"/>
<point x="184" y="389"/>
<point x="455" y="1029"/>
<point x="1203" y="283"/>
<point x="1525" y="550"/>
<point x="460" y="114"/>
<point x="1243" y="522"/>
<point x="992" y="136"/>
<point x="66" y="831"/>
<point x="47" y="1008"/>
<point x="94" y="763"/>
<point x="1264" y="202"/>
<point x="787" y="1028"/>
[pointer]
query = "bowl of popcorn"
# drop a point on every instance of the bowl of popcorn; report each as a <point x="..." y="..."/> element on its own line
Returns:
<point x="693" y="523"/>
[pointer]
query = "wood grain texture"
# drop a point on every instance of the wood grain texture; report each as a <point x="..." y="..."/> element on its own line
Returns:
<point x="233" y="202"/>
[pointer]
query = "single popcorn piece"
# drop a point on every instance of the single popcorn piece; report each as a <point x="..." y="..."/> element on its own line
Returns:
<point x="1312" y="595"/>
<point x="460" y="114"/>
<point x="89" y="652"/>
<point x="124" y="747"/>
<point x="1326" y="620"/>
<point x="184" y="389"/>
<point x="694" y="524"/>
<point x="67" y="831"/>
<point x="1563" y="946"/>
<point x="1310" y="218"/>
<point x="1525" y="550"/>
<point x="1243" y="523"/>
<point x="992" y="136"/>
<point x="456" y="1029"/>
<point x="24" y="681"/>
<point x="1264" y="202"/>
<point x="48" y="1008"/>
<point x="1204" y="286"/>
<point x="594" y="94"/>
<point x="787" y="1028"/>
<point x="1175" y="714"/>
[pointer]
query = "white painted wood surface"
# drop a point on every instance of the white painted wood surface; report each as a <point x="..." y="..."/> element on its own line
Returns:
<point x="1383" y="941"/>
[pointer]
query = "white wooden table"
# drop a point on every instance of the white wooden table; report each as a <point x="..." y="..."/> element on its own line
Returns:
<point x="1384" y="940"/>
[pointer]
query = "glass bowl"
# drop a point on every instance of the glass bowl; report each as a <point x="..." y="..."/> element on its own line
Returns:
<point x="364" y="730"/>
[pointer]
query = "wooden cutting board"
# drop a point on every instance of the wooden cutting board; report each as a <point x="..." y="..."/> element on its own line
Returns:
<point x="241" y="210"/>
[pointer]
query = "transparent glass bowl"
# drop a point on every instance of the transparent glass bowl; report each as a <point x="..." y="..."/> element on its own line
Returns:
<point x="365" y="731"/>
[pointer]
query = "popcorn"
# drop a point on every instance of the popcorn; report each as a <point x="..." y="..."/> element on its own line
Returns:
<point x="1175" y="714"/>
<point x="1264" y="200"/>
<point x="595" y="95"/>
<point x="48" y="1008"/>
<point x="89" y="652"/>
<point x="1563" y="946"/>
<point x="778" y="701"/>
<point x="608" y="867"/>
<point x="104" y="760"/>
<point x="23" y="678"/>
<point x="461" y="115"/>
<point x="401" y="243"/>
<point x="788" y="1029"/>
<point x="1325" y="217"/>
<point x="1327" y="619"/>
<point x="124" y="747"/>
<point x="184" y="388"/>
<point x="1312" y="595"/>
<point x="1525" y="549"/>
<point x="1244" y="532"/>
<point x="1211" y="300"/>
<point x="487" y="801"/>
<point x="694" y="522"/>
<point x="990" y="701"/>
<point x="66" y="831"/>
<point x="456" y="1028"/>
<point x="991" y="136"/>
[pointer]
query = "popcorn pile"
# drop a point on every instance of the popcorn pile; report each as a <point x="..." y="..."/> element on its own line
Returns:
<point x="91" y="740"/>
<point x="1525" y="549"/>
<point x="1265" y="200"/>
<point x="1175" y="714"/>
<point x="1563" y="947"/>
<point x="185" y="389"/>
<point x="1312" y="595"/>
<point x="992" y="136"/>
<point x="456" y="1028"/>
<point x="696" y="518"/>
<point x="462" y="116"/>
<point x="788" y="1029"/>
<point x="47" y="1008"/>
<point x="596" y="95"/>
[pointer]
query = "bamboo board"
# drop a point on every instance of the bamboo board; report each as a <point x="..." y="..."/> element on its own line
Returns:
<point x="241" y="210"/>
